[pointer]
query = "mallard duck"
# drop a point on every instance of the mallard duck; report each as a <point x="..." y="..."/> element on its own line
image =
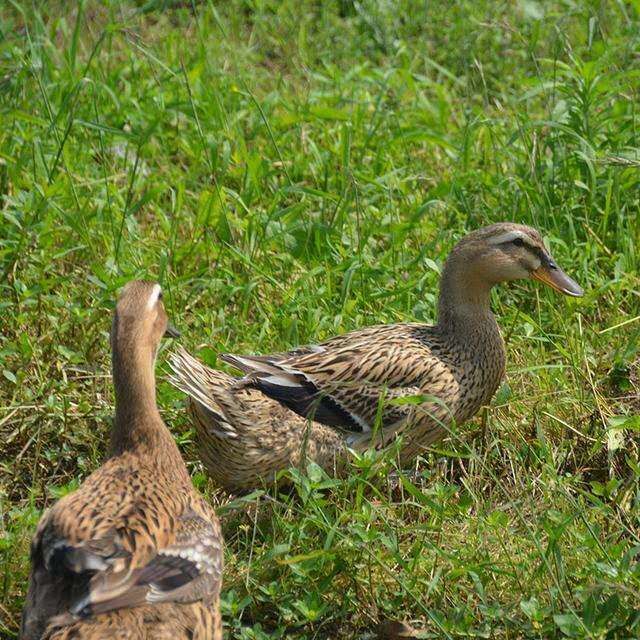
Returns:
<point x="135" y="552"/>
<point x="371" y="384"/>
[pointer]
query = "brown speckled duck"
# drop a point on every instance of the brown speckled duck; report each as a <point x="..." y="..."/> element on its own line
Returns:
<point x="135" y="552"/>
<point x="364" y="387"/>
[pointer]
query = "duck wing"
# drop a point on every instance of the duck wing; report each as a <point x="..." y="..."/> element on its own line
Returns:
<point x="348" y="381"/>
<point x="187" y="570"/>
<point x="293" y="388"/>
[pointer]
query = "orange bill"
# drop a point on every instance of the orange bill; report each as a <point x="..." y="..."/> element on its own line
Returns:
<point x="552" y="275"/>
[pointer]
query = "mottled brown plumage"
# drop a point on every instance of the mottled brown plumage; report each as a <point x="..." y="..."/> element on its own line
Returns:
<point x="135" y="552"/>
<point x="373" y="383"/>
<point x="245" y="437"/>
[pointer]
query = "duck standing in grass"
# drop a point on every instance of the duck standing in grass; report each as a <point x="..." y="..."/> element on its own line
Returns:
<point x="135" y="552"/>
<point x="365" y="387"/>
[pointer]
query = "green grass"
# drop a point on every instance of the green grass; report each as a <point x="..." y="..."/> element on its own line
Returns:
<point x="290" y="170"/>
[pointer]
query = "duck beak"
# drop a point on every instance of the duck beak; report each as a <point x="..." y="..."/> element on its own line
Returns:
<point x="171" y="331"/>
<point x="553" y="276"/>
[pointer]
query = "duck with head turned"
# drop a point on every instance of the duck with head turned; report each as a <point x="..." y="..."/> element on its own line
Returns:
<point x="365" y="387"/>
<point x="135" y="552"/>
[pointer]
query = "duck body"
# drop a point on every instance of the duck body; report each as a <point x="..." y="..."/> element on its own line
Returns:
<point x="248" y="432"/>
<point x="402" y="378"/>
<point x="372" y="384"/>
<point x="135" y="552"/>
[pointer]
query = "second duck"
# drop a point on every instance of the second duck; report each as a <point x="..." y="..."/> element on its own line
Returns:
<point x="376" y="382"/>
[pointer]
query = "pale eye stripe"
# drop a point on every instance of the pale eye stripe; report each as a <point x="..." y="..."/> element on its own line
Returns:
<point x="509" y="236"/>
<point x="153" y="297"/>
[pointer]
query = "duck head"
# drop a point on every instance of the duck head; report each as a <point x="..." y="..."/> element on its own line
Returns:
<point x="140" y="318"/>
<point x="508" y="251"/>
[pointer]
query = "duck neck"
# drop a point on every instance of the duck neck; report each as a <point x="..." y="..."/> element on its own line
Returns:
<point x="464" y="302"/>
<point x="137" y="420"/>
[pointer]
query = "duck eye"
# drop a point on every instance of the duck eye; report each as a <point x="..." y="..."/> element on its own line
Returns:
<point x="160" y="296"/>
<point x="518" y="242"/>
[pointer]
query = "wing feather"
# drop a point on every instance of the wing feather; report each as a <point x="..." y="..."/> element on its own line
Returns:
<point x="186" y="571"/>
<point x="307" y="400"/>
<point x="340" y="382"/>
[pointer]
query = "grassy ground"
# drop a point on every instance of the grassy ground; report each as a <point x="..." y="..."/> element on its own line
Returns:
<point x="292" y="169"/>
